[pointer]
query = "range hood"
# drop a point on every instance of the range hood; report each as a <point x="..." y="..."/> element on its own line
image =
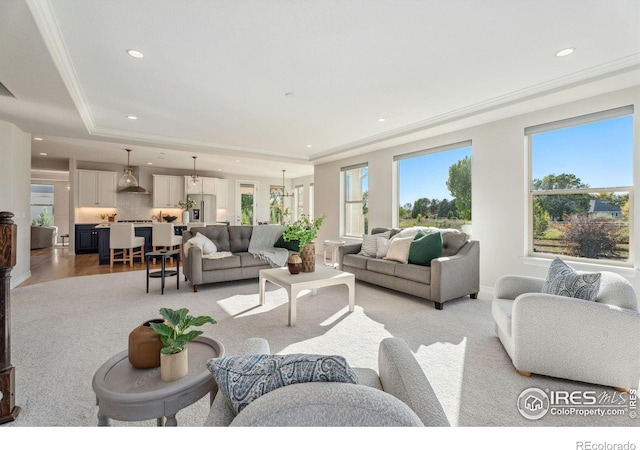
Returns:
<point x="134" y="189"/>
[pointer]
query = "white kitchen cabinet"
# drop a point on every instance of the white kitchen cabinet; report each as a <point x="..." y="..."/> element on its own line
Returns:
<point x="97" y="188"/>
<point x="222" y="193"/>
<point x="168" y="190"/>
<point x="209" y="186"/>
<point x="191" y="188"/>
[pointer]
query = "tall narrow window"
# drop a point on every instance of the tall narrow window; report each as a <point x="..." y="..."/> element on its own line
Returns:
<point x="298" y="201"/>
<point x="434" y="187"/>
<point x="311" y="204"/>
<point x="356" y="192"/>
<point x="581" y="190"/>
<point x="42" y="204"/>
<point x="276" y="204"/>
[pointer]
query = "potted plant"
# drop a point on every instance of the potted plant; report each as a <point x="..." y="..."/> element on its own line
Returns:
<point x="186" y="206"/>
<point x="175" y="334"/>
<point x="304" y="230"/>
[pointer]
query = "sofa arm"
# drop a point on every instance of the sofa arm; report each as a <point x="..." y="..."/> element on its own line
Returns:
<point x="458" y="275"/>
<point x="509" y="287"/>
<point x="402" y="377"/>
<point x="192" y="265"/>
<point x="348" y="249"/>
<point x="576" y="339"/>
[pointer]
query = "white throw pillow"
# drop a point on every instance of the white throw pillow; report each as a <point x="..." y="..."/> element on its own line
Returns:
<point x="383" y="247"/>
<point x="399" y="249"/>
<point x="369" y="245"/>
<point x="206" y="245"/>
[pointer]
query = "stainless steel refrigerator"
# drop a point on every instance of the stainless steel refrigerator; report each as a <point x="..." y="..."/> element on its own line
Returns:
<point x="204" y="210"/>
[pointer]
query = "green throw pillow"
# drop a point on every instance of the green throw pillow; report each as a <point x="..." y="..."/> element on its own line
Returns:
<point x="425" y="247"/>
<point x="289" y="245"/>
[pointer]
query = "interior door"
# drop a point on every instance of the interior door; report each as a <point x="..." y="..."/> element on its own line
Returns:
<point x="246" y="203"/>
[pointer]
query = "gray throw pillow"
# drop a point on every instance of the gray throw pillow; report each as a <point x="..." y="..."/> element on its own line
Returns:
<point x="244" y="378"/>
<point x="563" y="280"/>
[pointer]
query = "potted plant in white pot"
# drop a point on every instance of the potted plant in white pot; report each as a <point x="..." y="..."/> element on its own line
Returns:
<point x="186" y="206"/>
<point x="175" y="334"/>
<point x="304" y="230"/>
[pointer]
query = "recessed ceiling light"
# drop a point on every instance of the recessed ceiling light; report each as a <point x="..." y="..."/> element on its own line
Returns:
<point x="132" y="118"/>
<point x="309" y="146"/>
<point x="38" y="139"/>
<point x="219" y="170"/>
<point x="43" y="154"/>
<point x="566" y="51"/>
<point x="150" y="164"/>
<point x="237" y="160"/>
<point x="135" y="53"/>
<point x="382" y="119"/>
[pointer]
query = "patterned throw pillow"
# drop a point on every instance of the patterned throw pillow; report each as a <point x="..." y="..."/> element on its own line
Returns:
<point x="563" y="280"/>
<point x="370" y="243"/>
<point x="244" y="378"/>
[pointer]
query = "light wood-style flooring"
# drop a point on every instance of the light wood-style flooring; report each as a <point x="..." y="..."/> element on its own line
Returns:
<point x="49" y="264"/>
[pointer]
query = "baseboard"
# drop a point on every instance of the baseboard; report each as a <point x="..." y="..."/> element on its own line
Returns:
<point x="15" y="282"/>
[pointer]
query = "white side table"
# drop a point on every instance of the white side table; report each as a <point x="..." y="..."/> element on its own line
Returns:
<point x="332" y="248"/>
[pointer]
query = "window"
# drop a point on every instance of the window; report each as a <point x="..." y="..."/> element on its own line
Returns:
<point x="311" y="205"/>
<point x="434" y="187"/>
<point x="298" y="201"/>
<point x="276" y="204"/>
<point x="42" y="204"/>
<point x="581" y="189"/>
<point x="355" y="181"/>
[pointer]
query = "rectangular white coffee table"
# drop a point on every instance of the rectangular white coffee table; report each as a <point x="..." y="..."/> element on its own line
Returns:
<point x="323" y="276"/>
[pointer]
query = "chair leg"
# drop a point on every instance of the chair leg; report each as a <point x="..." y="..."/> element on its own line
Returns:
<point x="111" y="254"/>
<point x="524" y="373"/>
<point x="619" y="389"/>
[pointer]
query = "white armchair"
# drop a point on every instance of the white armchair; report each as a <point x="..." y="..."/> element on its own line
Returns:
<point x="589" y="341"/>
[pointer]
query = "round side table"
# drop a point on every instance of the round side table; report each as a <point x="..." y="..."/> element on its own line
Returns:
<point x="332" y="248"/>
<point x="129" y="394"/>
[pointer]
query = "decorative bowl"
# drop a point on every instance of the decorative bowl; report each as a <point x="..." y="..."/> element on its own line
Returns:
<point x="170" y="218"/>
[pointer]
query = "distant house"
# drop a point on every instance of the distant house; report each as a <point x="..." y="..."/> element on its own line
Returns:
<point x="599" y="206"/>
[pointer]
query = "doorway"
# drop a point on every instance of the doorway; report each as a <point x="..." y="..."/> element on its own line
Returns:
<point x="246" y="203"/>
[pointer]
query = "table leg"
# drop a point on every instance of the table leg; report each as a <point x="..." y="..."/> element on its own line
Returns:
<point x="160" y="421"/>
<point x="178" y="271"/>
<point x="293" y="297"/>
<point x="352" y="296"/>
<point x="261" y="283"/>
<point x="147" y="274"/>
<point x="103" y="421"/>
<point x="163" y="263"/>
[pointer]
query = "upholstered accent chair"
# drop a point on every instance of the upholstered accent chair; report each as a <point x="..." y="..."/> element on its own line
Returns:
<point x="43" y="236"/>
<point x="399" y="394"/>
<point x="589" y="341"/>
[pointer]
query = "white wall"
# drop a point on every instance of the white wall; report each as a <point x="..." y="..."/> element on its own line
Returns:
<point x="500" y="174"/>
<point x="15" y="181"/>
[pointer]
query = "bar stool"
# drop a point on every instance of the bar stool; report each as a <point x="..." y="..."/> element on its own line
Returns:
<point x="123" y="243"/>
<point x="164" y="237"/>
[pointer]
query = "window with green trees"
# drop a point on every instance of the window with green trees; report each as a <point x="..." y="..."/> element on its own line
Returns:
<point x="434" y="187"/>
<point x="581" y="185"/>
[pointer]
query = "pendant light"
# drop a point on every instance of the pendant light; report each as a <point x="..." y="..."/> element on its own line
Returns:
<point x="128" y="180"/>
<point x="194" y="176"/>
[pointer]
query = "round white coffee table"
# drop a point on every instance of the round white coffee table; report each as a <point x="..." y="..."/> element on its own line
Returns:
<point x="129" y="394"/>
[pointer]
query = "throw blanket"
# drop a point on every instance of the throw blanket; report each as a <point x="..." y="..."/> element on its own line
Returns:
<point x="261" y="245"/>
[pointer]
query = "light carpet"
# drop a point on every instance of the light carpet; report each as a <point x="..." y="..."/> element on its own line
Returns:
<point x="63" y="330"/>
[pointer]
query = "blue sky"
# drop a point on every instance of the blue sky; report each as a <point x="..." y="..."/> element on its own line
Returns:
<point x="599" y="153"/>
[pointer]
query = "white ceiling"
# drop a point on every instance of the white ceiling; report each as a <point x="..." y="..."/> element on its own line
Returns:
<point x="216" y="73"/>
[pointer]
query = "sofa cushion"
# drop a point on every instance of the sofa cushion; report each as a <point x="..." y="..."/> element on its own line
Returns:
<point x="327" y="405"/>
<point x="230" y="262"/>
<point x="370" y="243"/>
<point x="399" y="249"/>
<point x="453" y="241"/>
<point x="294" y="246"/>
<point x="248" y="260"/>
<point x="239" y="238"/>
<point x="356" y="261"/>
<point x="425" y="247"/>
<point x="563" y="280"/>
<point x="383" y="266"/>
<point x="244" y="378"/>
<point x="414" y="272"/>
<point x="217" y="233"/>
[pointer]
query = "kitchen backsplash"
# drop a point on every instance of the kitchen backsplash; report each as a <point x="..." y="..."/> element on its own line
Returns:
<point x="130" y="207"/>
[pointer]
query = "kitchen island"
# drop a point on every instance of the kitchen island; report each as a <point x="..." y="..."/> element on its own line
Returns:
<point x="143" y="229"/>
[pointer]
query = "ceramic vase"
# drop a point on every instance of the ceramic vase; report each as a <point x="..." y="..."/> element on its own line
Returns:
<point x="308" y="256"/>
<point x="174" y="366"/>
<point x="294" y="263"/>
<point x="185" y="217"/>
<point x="145" y="346"/>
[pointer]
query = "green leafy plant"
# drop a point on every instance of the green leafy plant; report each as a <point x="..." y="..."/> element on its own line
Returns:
<point x="303" y="230"/>
<point x="44" y="219"/>
<point x="188" y="204"/>
<point x="173" y="333"/>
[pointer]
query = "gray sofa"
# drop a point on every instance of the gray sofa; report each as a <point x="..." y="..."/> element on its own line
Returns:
<point x="235" y="239"/>
<point x="43" y="236"/>
<point x="456" y="274"/>
<point x="399" y="394"/>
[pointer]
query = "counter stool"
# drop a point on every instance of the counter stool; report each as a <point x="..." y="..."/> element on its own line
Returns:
<point x="123" y="243"/>
<point x="332" y="247"/>
<point x="164" y="237"/>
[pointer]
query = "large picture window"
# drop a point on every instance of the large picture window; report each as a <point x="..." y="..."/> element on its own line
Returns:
<point x="434" y="187"/>
<point x="42" y="204"/>
<point x="581" y="189"/>
<point x="355" y="180"/>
